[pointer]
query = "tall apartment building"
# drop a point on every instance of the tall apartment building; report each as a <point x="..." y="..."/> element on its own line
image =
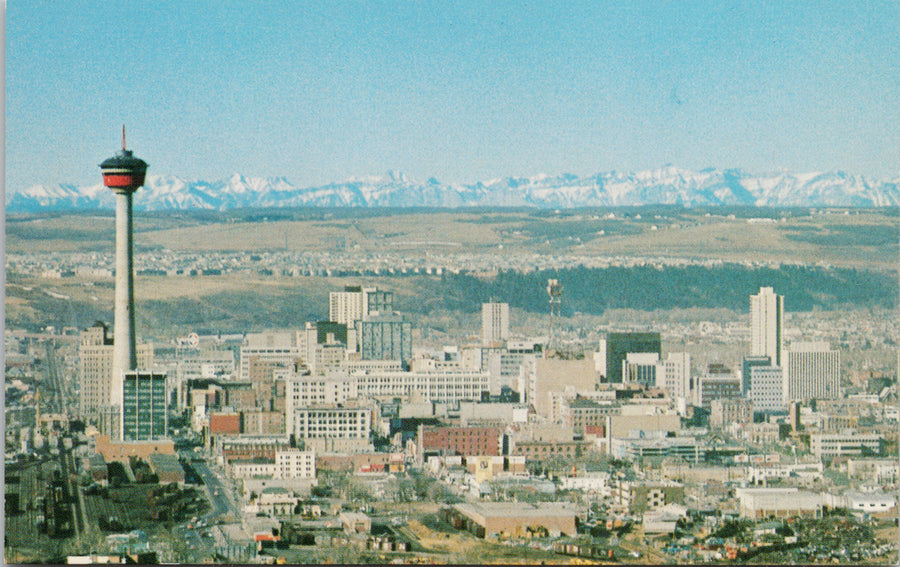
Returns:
<point x="813" y="372"/>
<point x="494" y="322"/>
<point x="767" y="325"/>
<point x="614" y="349"/>
<point x="144" y="406"/>
<point x="95" y="361"/>
<point x="356" y="302"/>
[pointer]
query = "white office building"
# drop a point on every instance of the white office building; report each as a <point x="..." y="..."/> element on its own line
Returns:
<point x="676" y="375"/>
<point x="767" y="388"/>
<point x="813" y="372"/>
<point x="278" y="348"/>
<point x="355" y="303"/>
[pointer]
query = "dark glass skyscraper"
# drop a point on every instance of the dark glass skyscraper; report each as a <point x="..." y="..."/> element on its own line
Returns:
<point x="619" y="345"/>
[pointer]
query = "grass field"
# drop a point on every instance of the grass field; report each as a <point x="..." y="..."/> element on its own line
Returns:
<point x="861" y="238"/>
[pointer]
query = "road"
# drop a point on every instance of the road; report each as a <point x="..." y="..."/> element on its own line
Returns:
<point x="198" y="537"/>
<point x="219" y="493"/>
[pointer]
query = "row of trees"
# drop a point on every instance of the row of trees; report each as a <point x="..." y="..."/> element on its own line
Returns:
<point x="648" y="288"/>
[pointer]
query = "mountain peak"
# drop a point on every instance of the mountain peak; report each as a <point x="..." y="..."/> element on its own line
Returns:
<point x="665" y="185"/>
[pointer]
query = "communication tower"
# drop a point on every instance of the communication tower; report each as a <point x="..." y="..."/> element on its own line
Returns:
<point x="124" y="174"/>
<point x="554" y="290"/>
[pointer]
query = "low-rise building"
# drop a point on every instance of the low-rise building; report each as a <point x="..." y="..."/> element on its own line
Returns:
<point x="845" y="444"/>
<point x="512" y="519"/>
<point x="460" y="440"/>
<point x="758" y="503"/>
<point x="881" y="471"/>
<point x="287" y="464"/>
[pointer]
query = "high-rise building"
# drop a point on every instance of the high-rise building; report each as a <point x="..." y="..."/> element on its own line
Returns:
<point x="617" y="346"/>
<point x="356" y="302"/>
<point x="767" y="388"/>
<point x="279" y="349"/>
<point x="766" y="325"/>
<point x="747" y="364"/>
<point x="676" y="375"/>
<point x="144" y="406"/>
<point x="385" y="337"/>
<point x="719" y="383"/>
<point x="494" y="322"/>
<point x="640" y="368"/>
<point x="95" y="374"/>
<point x="813" y="372"/>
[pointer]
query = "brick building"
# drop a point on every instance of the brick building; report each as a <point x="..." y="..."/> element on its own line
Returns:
<point x="224" y="424"/>
<point x="461" y="440"/>
<point x="540" y="450"/>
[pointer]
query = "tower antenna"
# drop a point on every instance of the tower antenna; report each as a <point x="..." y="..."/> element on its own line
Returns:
<point x="123" y="137"/>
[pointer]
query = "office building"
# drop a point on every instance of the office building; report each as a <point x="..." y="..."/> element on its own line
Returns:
<point x="279" y="349"/>
<point x="813" y="372"/>
<point x="494" y="323"/>
<point x="144" y="406"/>
<point x="356" y="302"/>
<point x="847" y="444"/>
<point x="718" y="383"/>
<point x="724" y="413"/>
<point x="332" y="422"/>
<point x="766" y="325"/>
<point x="95" y="374"/>
<point x="614" y="349"/>
<point x="747" y="363"/>
<point x="385" y="337"/>
<point x="767" y="389"/>
<point x="676" y="375"/>
<point x="640" y="368"/>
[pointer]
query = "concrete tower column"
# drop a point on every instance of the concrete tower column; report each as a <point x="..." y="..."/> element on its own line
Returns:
<point x="123" y="174"/>
<point x="124" y="356"/>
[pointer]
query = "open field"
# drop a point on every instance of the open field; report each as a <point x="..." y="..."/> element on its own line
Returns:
<point x="867" y="238"/>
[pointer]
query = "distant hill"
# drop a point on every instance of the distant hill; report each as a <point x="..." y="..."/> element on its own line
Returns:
<point x="664" y="186"/>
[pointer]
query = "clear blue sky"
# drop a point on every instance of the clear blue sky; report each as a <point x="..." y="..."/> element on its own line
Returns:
<point x="462" y="91"/>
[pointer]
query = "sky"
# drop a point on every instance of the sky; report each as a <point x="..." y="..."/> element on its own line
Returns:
<point x="319" y="92"/>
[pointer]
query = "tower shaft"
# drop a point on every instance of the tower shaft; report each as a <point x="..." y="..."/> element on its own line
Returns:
<point x="124" y="357"/>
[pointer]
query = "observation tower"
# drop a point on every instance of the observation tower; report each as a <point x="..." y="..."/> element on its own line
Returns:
<point x="124" y="174"/>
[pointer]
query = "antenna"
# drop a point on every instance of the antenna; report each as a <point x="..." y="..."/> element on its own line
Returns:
<point x="554" y="290"/>
<point x="123" y="137"/>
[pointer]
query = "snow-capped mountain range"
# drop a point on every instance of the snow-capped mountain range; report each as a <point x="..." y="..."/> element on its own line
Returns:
<point x="667" y="185"/>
